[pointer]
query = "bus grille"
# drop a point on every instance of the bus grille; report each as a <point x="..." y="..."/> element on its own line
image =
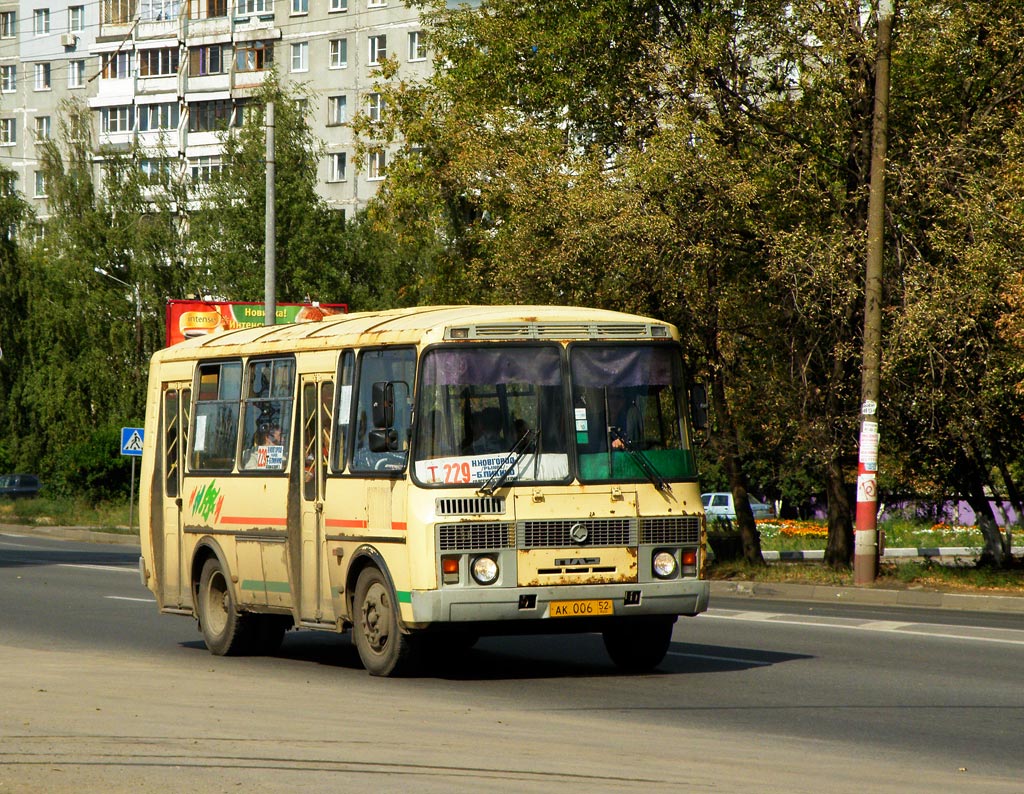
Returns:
<point x="470" y="505"/>
<point x="476" y="535"/>
<point x="558" y="534"/>
<point x="670" y="530"/>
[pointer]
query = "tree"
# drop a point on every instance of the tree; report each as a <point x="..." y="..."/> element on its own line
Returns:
<point x="227" y="230"/>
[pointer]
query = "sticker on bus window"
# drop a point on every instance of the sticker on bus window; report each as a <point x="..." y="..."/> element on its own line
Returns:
<point x="344" y="404"/>
<point x="199" y="442"/>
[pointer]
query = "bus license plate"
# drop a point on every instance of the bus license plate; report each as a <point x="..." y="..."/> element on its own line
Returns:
<point x="580" y="609"/>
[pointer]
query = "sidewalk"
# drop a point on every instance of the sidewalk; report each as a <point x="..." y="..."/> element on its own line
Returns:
<point x="868" y="596"/>
<point x="81" y="534"/>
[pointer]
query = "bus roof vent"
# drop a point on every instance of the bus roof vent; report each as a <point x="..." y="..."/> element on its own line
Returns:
<point x="556" y="330"/>
<point x="470" y="505"/>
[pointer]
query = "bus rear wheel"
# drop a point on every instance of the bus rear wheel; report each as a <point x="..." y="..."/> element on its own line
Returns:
<point x="639" y="645"/>
<point x="226" y="631"/>
<point x="383" y="648"/>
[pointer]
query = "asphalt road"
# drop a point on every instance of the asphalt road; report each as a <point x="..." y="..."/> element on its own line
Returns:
<point x="101" y="693"/>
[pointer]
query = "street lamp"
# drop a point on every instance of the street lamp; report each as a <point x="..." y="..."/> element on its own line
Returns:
<point x="138" y="308"/>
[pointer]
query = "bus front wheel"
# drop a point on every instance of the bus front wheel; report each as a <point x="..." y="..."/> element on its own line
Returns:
<point x="225" y="631"/>
<point x="383" y="648"/>
<point x="639" y="645"/>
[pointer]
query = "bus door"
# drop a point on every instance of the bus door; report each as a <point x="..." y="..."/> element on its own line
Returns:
<point x="317" y="391"/>
<point x="174" y="430"/>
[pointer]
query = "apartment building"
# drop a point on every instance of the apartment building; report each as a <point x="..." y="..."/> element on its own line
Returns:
<point x="168" y="75"/>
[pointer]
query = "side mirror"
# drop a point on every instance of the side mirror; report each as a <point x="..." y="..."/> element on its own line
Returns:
<point x="383" y="397"/>
<point x="699" y="405"/>
<point x="383" y="440"/>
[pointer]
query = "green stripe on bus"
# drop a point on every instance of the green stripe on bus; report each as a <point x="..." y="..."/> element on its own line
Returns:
<point x="270" y="587"/>
<point x="404" y="597"/>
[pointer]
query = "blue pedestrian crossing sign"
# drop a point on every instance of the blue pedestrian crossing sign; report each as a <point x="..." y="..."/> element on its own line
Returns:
<point x="131" y="441"/>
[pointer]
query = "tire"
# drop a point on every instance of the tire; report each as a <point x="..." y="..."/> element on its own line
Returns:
<point x="639" y="645"/>
<point x="383" y="648"/>
<point x="226" y="631"/>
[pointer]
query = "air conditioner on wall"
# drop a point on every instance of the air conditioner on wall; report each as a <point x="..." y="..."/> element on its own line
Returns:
<point x="68" y="39"/>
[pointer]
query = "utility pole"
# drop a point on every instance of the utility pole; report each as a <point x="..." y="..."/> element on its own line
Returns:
<point x="865" y="545"/>
<point x="270" y="254"/>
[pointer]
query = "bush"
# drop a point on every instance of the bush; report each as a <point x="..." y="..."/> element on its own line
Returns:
<point x="93" y="469"/>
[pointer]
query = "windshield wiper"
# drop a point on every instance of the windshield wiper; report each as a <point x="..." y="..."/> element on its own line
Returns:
<point x="641" y="460"/>
<point x="506" y="467"/>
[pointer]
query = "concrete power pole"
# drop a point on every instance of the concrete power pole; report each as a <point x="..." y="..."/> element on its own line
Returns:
<point x="270" y="233"/>
<point x="865" y="546"/>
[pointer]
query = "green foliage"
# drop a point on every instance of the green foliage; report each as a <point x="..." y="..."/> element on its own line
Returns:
<point x="93" y="469"/>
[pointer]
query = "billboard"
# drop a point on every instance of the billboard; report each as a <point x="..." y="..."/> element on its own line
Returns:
<point x="190" y="318"/>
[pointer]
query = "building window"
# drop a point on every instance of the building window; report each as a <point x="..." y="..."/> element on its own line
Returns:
<point x="255" y="7"/>
<point x="41" y="21"/>
<point x="42" y="76"/>
<point x="8" y="24"/>
<point x="207" y="60"/>
<point x="417" y="46"/>
<point x="339" y="53"/>
<point x="160" y="10"/>
<point x="40" y="184"/>
<point x="161" y="116"/>
<point x="8" y="132"/>
<point x="377" y="165"/>
<point x="8" y="78"/>
<point x="208" y="116"/>
<point x="338" y="5"/>
<point x="300" y="6"/>
<point x="378" y="49"/>
<point x="375" y="106"/>
<point x="300" y="56"/>
<point x="117" y="66"/>
<point x="376" y="3"/>
<point x="76" y="19"/>
<point x="118" y="12"/>
<point x="205" y="168"/>
<point x="338" y="167"/>
<point x="42" y="128"/>
<point x="154" y="63"/>
<point x="76" y="74"/>
<point x="117" y="119"/>
<point x="207" y="9"/>
<point x="254" y="56"/>
<point x="337" y="110"/>
<point x="155" y="170"/>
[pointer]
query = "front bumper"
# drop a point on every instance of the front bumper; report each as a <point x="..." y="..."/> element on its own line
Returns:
<point x="497" y="604"/>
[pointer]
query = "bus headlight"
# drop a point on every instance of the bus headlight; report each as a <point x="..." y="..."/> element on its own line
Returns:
<point x="484" y="570"/>
<point x="663" y="564"/>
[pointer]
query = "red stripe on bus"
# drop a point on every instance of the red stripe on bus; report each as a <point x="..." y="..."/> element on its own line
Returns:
<point x="399" y="525"/>
<point x="348" y="523"/>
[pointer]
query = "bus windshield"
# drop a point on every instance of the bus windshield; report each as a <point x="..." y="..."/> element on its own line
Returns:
<point x="477" y="403"/>
<point x="628" y="412"/>
<point x="497" y="413"/>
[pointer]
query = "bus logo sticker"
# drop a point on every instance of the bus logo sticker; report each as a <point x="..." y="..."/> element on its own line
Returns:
<point x="207" y="501"/>
<point x="579" y="533"/>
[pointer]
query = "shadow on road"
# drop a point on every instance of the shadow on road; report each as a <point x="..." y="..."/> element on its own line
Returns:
<point x="528" y="657"/>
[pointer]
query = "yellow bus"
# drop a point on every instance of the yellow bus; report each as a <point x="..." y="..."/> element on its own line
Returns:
<point x="424" y="477"/>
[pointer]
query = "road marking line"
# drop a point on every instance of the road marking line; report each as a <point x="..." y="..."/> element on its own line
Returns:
<point x="126" y="598"/>
<point x="119" y="569"/>
<point x="937" y="630"/>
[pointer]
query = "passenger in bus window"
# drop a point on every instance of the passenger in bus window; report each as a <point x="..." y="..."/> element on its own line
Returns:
<point x="487" y="432"/>
<point x="260" y="456"/>
<point x="627" y="419"/>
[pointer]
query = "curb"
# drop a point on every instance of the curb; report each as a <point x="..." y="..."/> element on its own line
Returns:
<point x="929" y="552"/>
<point x="869" y="596"/>
<point x="82" y="534"/>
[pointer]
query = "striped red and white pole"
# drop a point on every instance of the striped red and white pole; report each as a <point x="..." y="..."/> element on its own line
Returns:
<point x="865" y="539"/>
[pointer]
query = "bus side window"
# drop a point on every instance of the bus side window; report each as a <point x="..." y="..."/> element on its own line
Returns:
<point x="343" y="410"/>
<point x="212" y="445"/>
<point x="398" y="368"/>
<point x="267" y="424"/>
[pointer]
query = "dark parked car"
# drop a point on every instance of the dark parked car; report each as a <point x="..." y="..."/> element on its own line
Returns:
<point x="12" y="485"/>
